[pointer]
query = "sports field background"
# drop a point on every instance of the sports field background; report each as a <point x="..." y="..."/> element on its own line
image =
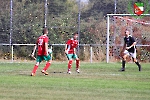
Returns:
<point x="97" y="81"/>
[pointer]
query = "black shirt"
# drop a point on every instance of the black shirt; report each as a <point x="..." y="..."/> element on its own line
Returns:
<point x="129" y="41"/>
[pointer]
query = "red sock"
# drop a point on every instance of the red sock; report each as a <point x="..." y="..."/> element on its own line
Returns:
<point x="69" y="65"/>
<point x="47" y="66"/>
<point x="34" y="69"/>
<point x="77" y="64"/>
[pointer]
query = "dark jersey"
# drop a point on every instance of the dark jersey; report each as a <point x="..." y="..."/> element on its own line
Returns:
<point x="129" y="41"/>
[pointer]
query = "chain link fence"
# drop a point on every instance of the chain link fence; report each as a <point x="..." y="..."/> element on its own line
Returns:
<point x="22" y="21"/>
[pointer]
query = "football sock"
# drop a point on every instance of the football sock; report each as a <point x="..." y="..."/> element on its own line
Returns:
<point x="137" y="63"/>
<point x="34" y="69"/>
<point x="77" y="64"/>
<point x="47" y="66"/>
<point x="69" y="65"/>
<point x="123" y="64"/>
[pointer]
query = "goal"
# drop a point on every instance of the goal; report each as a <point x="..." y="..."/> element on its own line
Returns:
<point x="139" y="27"/>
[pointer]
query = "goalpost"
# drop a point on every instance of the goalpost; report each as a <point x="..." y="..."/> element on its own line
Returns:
<point x="139" y="27"/>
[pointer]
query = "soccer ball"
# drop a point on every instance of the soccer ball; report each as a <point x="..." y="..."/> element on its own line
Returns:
<point x="49" y="51"/>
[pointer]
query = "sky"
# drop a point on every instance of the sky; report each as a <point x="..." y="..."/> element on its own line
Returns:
<point x="84" y="0"/>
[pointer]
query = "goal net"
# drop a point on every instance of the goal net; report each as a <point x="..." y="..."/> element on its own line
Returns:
<point x="139" y="28"/>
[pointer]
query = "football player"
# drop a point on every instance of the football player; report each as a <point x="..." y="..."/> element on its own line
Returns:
<point x="129" y="49"/>
<point x="70" y="51"/>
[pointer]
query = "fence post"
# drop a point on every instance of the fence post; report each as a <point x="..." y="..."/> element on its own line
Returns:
<point x="52" y="52"/>
<point x="91" y="53"/>
<point x="79" y="22"/>
<point x="12" y="53"/>
<point x="45" y="15"/>
<point x="107" y="45"/>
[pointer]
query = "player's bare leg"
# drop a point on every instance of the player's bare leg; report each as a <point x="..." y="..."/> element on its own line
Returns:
<point x="47" y="65"/>
<point x="34" y="69"/>
<point x="123" y="63"/>
<point x="77" y="65"/>
<point x="137" y="63"/>
<point x="69" y="66"/>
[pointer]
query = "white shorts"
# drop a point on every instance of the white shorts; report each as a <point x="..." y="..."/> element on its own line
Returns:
<point x="126" y="52"/>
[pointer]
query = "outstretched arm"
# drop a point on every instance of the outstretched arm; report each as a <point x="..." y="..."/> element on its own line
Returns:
<point x="66" y="48"/>
<point x="134" y="43"/>
<point x="34" y="49"/>
<point x="32" y="55"/>
<point x="123" y="49"/>
<point x="46" y="48"/>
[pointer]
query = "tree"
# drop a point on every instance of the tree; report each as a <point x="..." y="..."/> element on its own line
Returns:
<point x="4" y="21"/>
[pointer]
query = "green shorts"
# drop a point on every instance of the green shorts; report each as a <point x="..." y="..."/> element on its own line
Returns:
<point x="41" y="58"/>
<point x="70" y="56"/>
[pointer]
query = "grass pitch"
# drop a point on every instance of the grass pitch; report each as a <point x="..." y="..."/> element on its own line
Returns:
<point x="97" y="81"/>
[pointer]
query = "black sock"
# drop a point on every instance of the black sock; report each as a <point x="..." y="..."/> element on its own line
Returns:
<point x="138" y="65"/>
<point x="123" y="64"/>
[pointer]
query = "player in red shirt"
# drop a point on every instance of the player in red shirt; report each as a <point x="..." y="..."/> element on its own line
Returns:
<point x="70" y="50"/>
<point x="42" y="45"/>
